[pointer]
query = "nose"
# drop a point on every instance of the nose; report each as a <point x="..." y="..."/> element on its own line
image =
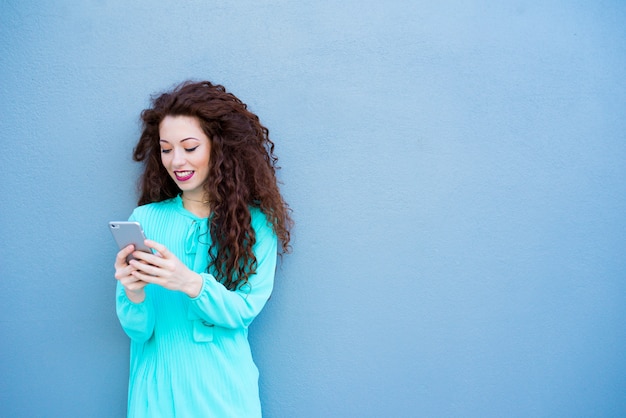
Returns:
<point x="179" y="158"/>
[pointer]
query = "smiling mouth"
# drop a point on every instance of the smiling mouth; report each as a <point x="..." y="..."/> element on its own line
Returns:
<point x="183" y="175"/>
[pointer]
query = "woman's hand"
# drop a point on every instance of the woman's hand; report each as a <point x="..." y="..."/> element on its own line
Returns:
<point x="133" y="286"/>
<point x="165" y="269"/>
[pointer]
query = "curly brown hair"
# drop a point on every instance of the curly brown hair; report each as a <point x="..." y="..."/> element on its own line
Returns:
<point x="242" y="173"/>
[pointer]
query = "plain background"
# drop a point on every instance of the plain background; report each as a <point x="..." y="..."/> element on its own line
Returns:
<point x="457" y="173"/>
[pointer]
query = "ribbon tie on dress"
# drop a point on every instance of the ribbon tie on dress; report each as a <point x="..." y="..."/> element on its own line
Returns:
<point x="197" y="244"/>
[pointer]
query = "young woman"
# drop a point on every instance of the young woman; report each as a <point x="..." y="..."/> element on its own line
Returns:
<point x="215" y="219"/>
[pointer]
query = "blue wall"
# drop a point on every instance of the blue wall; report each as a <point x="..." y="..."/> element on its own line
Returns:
<point x="457" y="171"/>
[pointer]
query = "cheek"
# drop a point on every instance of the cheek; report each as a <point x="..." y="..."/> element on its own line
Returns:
<point x="202" y="160"/>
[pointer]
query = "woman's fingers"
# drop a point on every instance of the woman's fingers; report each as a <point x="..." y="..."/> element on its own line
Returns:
<point x="163" y="259"/>
<point x="120" y="259"/>
<point x="123" y="271"/>
<point x="145" y="268"/>
<point x="162" y="268"/>
<point x="141" y="277"/>
<point x="135" y="285"/>
<point x="154" y="259"/>
<point x="161" y="251"/>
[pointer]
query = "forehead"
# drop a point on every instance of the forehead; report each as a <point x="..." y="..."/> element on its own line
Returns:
<point x="178" y="128"/>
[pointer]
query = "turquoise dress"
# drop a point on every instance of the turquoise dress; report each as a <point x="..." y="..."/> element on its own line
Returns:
<point x="190" y="357"/>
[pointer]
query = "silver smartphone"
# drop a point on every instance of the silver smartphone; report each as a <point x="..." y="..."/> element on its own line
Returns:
<point x="126" y="233"/>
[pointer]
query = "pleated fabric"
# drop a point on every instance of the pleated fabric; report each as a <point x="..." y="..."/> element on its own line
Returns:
<point x="190" y="357"/>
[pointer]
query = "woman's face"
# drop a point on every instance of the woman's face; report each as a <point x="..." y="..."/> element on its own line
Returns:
<point x="185" y="153"/>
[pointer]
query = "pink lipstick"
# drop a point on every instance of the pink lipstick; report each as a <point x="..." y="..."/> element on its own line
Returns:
<point x="183" y="175"/>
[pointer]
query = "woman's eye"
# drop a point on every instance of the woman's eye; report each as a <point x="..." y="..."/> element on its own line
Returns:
<point x="191" y="149"/>
<point x="166" y="151"/>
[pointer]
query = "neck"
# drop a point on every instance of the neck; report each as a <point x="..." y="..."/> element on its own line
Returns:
<point x="200" y="208"/>
<point x="206" y="202"/>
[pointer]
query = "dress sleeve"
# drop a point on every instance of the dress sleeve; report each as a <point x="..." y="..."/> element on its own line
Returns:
<point x="236" y="309"/>
<point x="137" y="319"/>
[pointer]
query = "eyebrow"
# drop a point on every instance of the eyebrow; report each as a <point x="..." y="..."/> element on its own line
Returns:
<point x="182" y="140"/>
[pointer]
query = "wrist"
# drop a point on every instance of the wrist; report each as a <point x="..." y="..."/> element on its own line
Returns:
<point x="194" y="285"/>
<point x="136" y="296"/>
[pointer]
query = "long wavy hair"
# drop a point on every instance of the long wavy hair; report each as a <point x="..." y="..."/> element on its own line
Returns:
<point x="242" y="174"/>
